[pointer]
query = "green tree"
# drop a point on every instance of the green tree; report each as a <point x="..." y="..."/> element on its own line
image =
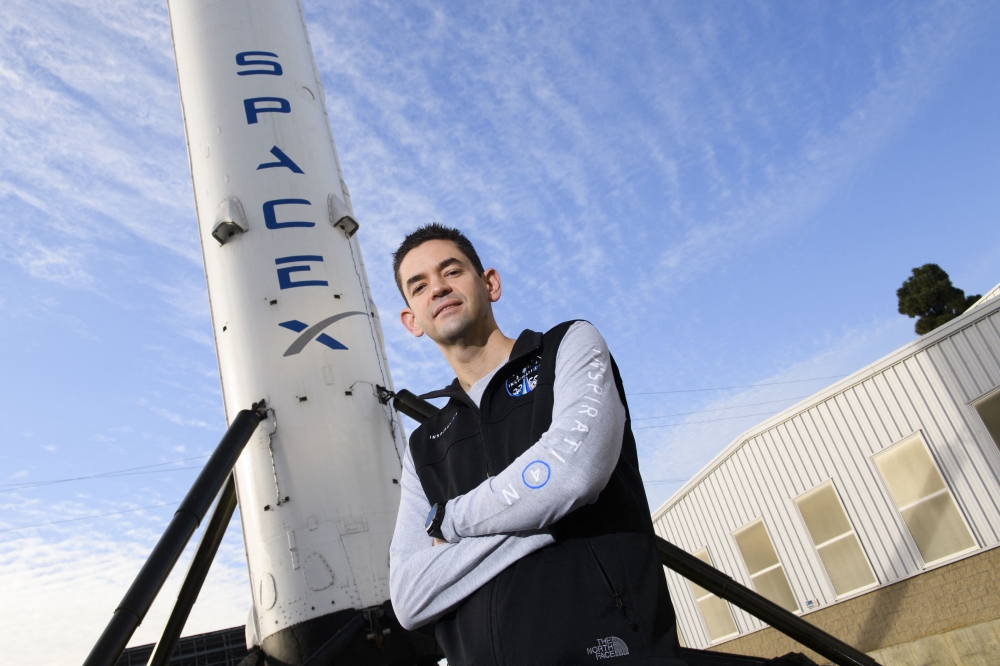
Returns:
<point x="930" y="296"/>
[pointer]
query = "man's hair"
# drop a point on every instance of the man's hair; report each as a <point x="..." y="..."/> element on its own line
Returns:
<point x="429" y="232"/>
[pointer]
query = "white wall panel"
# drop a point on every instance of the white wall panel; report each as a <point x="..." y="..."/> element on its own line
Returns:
<point x="925" y="386"/>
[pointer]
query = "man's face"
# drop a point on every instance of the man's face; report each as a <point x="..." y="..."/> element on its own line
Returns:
<point x="446" y="298"/>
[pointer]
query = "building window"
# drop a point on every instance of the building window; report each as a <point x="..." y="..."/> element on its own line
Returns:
<point x="762" y="562"/>
<point x="989" y="412"/>
<point x="835" y="540"/>
<point x="715" y="611"/>
<point x="924" y="501"/>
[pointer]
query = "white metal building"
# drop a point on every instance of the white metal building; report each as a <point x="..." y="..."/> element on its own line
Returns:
<point x="886" y="474"/>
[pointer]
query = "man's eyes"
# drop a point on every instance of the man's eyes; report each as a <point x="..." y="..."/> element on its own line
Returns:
<point x="448" y="273"/>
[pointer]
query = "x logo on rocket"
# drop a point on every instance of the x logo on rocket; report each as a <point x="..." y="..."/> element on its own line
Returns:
<point x="308" y="333"/>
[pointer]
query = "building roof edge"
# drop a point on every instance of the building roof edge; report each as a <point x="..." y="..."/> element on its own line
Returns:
<point x="979" y="310"/>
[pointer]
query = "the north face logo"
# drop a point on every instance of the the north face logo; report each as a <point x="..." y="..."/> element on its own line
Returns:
<point x="612" y="646"/>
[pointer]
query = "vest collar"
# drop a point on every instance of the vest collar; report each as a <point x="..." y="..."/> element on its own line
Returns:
<point x="526" y="343"/>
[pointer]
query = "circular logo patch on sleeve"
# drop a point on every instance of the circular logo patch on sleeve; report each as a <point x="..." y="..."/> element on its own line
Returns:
<point x="536" y="474"/>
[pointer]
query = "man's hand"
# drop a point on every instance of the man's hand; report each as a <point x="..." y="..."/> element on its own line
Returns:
<point x="439" y="542"/>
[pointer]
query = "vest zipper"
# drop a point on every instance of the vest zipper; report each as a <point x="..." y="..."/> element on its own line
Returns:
<point x="482" y="430"/>
<point x="483" y="438"/>
<point x="494" y="635"/>
<point x="614" y="592"/>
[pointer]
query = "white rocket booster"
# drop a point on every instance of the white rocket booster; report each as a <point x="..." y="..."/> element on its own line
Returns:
<point x="293" y="319"/>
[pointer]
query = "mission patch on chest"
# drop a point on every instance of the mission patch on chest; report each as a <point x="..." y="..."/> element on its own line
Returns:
<point x="524" y="380"/>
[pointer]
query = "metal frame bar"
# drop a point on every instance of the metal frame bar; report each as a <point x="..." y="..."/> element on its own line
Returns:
<point x="788" y="623"/>
<point x="195" y="578"/>
<point x="136" y="602"/>
<point x="413" y="406"/>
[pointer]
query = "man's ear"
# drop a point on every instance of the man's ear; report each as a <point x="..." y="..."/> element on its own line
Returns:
<point x="410" y="322"/>
<point x="493" y="288"/>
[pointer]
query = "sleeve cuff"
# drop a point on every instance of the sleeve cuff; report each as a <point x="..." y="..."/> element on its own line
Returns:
<point x="448" y="524"/>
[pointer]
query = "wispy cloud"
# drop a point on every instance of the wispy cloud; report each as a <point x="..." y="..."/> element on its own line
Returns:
<point x="180" y="420"/>
<point x="510" y="120"/>
<point x="98" y="565"/>
<point x="91" y="134"/>
<point x="788" y="193"/>
<point x="526" y="123"/>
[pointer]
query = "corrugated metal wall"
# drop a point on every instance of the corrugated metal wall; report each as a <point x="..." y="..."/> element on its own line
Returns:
<point x="925" y="386"/>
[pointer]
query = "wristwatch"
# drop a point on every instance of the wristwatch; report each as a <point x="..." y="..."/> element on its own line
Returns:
<point x="434" y="519"/>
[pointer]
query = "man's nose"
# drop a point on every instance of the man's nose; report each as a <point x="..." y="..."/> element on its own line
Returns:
<point x="440" y="288"/>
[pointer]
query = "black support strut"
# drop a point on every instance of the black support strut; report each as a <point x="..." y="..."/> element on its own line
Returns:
<point x="168" y="549"/>
<point x="790" y="624"/>
<point x="195" y="578"/>
<point x="413" y="406"/>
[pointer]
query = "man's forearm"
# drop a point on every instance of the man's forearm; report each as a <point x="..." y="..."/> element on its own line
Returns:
<point x="426" y="581"/>
<point x="571" y="463"/>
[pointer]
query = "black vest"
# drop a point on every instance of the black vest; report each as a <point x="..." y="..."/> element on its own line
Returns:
<point x="599" y="591"/>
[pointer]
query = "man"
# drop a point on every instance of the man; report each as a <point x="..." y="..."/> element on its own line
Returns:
<point x="523" y="528"/>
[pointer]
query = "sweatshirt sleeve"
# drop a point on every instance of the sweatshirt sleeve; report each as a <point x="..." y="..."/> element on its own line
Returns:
<point x="427" y="581"/>
<point x="568" y="466"/>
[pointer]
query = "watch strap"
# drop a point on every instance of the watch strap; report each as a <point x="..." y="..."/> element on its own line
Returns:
<point x="434" y="519"/>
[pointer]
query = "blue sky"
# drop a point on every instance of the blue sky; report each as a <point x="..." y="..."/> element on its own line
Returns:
<point x="730" y="192"/>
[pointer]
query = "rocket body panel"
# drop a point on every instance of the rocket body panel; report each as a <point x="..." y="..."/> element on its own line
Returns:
<point x="317" y="486"/>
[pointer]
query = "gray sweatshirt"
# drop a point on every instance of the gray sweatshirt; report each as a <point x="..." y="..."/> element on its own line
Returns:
<point x="506" y="517"/>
